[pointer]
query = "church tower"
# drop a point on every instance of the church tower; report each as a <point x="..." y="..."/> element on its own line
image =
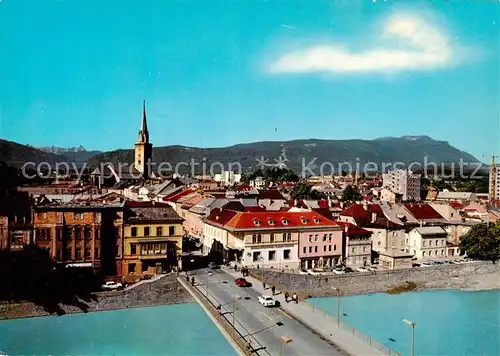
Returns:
<point x="143" y="149"/>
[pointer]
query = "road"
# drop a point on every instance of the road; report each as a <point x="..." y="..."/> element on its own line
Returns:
<point x="251" y="317"/>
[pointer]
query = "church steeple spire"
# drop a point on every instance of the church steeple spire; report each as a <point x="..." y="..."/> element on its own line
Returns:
<point x="144" y="133"/>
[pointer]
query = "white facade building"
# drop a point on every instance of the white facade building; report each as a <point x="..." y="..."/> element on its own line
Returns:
<point x="427" y="243"/>
<point x="404" y="182"/>
<point x="227" y="177"/>
<point x="495" y="194"/>
<point x="258" y="183"/>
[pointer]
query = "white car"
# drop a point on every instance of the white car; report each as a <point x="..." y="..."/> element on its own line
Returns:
<point x="338" y="271"/>
<point x="362" y="269"/>
<point x="301" y="271"/>
<point x="313" y="272"/>
<point x="268" y="301"/>
<point x="112" y="286"/>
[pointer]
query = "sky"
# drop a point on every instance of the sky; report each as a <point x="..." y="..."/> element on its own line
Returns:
<point x="218" y="73"/>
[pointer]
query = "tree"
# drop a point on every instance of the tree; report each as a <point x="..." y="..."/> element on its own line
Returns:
<point x="305" y="191"/>
<point x="351" y="194"/>
<point x="482" y="242"/>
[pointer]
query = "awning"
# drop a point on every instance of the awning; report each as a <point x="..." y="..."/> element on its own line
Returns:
<point x="88" y="264"/>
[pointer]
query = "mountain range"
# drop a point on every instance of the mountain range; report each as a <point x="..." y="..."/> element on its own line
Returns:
<point x="293" y="154"/>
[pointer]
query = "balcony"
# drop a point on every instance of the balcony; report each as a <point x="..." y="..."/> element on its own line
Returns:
<point x="268" y="243"/>
<point x="153" y="256"/>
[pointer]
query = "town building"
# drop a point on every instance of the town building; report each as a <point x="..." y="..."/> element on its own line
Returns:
<point x="227" y="178"/>
<point x="395" y="259"/>
<point x="388" y="232"/>
<point x="427" y="242"/>
<point x="152" y="239"/>
<point x="494" y="189"/>
<point x="16" y="226"/>
<point x="463" y="197"/>
<point x="86" y="235"/>
<point x="356" y="245"/>
<point x="403" y="182"/>
<point x="258" y="183"/>
<point x="421" y="214"/>
<point x="271" y="239"/>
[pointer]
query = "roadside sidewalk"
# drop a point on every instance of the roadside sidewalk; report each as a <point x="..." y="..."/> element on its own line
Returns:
<point x="314" y="319"/>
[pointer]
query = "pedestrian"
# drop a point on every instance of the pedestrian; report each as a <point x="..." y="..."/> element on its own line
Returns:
<point x="235" y="267"/>
<point x="192" y="281"/>
<point x="187" y="277"/>
<point x="286" y="297"/>
<point x="294" y="298"/>
<point x="273" y="289"/>
<point x="264" y="285"/>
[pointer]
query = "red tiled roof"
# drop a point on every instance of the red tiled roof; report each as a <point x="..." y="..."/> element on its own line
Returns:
<point x="221" y="217"/>
<point x="176" y="196"/>
<point x="243" y="187"/>
<point x="352" y="230"/>
<point x="272" y="194"/>
<point x="363" y="216"/>
<point x="456" y="205"/>
<point x="323" y="204"/>
<point x="270" y="220"/>
<point x="422" y="211"/>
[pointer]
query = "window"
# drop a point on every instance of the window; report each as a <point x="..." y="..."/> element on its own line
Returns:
<point x="272" y="255"/>
<point x="256" y="256"/>
<point x="286" y="254"/>
<point x="289" y="237"/>
<point x="437" y="242"/>
<point x="133" y="249"/>
<point x="131" y="268"/>
<point x="334" y="248"/>
<point x="364" y="248"/>
<point x="330" y="248"/>
<point x="442" y="252"/>
<point x="171" y="230"/>
<point x="284" y="221"/>
<point x="78" y="253"/>
<point x="324" y="248"/>
<point x="159" y="231"/>
<point x="304" y="250"/>
<point x="87" y="233"/>
<point x="97" y="234"/>
<point x="284" y="237"/>
<point x="379" y="243"/>
<point x="146" y="230"/>
<point x="423" y="243"/>
<point x="271" y="238"/>
<point x="329" y="237"/>
<point x="133" y="232"/>
<point x="310" y="249"/>
<point x="324" y="237"/>
<point x="353" y="249"/>
<point x="259" y="238"/>
<point x="254" y="239"/>
<point x="435" y="252"/>
<point x="315" y="248"/>
<point x="310" y="238"/>
<point x="430" y="242"/>
<point x="78" y="216"/>
<point x="88" y="253"/>
<point x="96" y="253"/>
<point x="423" y="253"/>
<point x="315" y="237"/>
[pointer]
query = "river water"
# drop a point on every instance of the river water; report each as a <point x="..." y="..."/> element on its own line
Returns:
<point x="448" y="322"/>
<point x="182" y="329"/>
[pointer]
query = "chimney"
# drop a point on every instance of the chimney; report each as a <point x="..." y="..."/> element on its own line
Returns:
<point x="374" y="217"/>
<point x="365" y="205"/>
<point x="345" y="229"/>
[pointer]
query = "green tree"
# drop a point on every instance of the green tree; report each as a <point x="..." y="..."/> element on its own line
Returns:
<point x="305" y="191"/>
<point x="482" y="242"/>
<point x="351" y="194"/>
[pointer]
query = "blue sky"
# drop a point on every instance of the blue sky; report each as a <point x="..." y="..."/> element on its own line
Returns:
<point x="217" y="73"/>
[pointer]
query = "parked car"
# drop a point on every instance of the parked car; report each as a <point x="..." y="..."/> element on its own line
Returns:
<point x="362" y="269"/>
<point x="268" y="301"/>
<point x="242" y="282"/>
<point x="111" y="285"/>
<point x="213" y="265"/>
<point x="304" y="272"/>
<point x="348" y="270"/>
<point x="313" y="272"/>
<point x="338" y="271"/>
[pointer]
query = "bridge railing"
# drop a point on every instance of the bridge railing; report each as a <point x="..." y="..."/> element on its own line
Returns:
<point x="356" y="332"/>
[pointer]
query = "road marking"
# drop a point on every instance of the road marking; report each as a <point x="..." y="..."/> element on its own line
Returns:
<point x="285" y="313"/>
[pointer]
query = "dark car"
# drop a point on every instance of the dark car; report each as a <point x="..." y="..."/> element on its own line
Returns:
<point x="242" y="282"/>
<point x="348" y="270"/>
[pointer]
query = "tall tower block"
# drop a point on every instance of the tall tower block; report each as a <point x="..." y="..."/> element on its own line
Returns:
<point x="143" y="151"/>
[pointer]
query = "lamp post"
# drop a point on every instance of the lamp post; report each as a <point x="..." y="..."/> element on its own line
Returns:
<point x="338" y="306"/>
<point x="279" y="323"/>
<point x="412" y="324"/>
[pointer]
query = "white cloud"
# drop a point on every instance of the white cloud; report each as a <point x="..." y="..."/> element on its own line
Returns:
<point x="407" y="42"/>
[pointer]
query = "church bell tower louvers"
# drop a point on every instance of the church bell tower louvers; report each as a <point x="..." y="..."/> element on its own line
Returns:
<point x="143" y="149"/>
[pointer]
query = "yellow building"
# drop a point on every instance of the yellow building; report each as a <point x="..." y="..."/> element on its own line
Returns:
<point x="152" y="239"/>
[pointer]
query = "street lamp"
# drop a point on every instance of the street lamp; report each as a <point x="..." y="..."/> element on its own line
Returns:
<point x="338" y="306"/>
<point x="412" y="324"/>
<point x="279" y="323"/>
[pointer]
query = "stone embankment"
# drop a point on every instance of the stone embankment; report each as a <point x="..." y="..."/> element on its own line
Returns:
<point x="469" y="276"/>
<point x="166" y="290"/>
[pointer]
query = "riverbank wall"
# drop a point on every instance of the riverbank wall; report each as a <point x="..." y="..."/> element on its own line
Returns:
<point x="469" y="276"/>
<point x="164" y="291"/>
